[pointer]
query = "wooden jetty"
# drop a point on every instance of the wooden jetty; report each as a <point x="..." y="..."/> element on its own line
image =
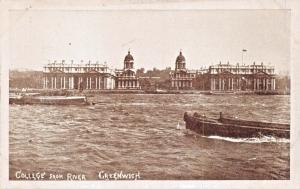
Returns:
<point x="47" y="100"/>
<point x="235" y="128"/>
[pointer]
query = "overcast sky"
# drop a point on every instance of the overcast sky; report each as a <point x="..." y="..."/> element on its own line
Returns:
<point x="155" y="37"/>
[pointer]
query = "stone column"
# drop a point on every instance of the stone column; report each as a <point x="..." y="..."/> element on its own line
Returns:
<point x="110" y="83"/>
<point x="69" y="82"/>
<point x="96" y="78"/>
<point x="64" y="81"/>
<point x="220" y="84"/>
<point x="87" y="83"/>
<point x="223" y="84"/>
<point x="214" y="86"/>
<point x="46" y="82"/>
<point x="90" y="82"/>
<point x="72" y="81"/>
<point x="55" y="82"/>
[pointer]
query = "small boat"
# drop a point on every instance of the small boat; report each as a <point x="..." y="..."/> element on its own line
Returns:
<point x="236" y="128"/>
<point x="48" y="100"/>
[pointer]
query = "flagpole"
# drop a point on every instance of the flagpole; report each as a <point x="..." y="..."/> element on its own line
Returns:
<point x="242" y="57"/>
<point x="243" y="50"/>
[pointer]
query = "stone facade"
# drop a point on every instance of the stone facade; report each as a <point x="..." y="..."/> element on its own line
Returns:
<point x="126" y="78"/>
<point x="88" y="76"/>
<point x="228" y="77"/>
<point x="219" y="77"/>
<point x="181" y="78"/>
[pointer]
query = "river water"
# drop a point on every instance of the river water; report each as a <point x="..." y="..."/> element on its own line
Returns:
<point x="136" y="133"/>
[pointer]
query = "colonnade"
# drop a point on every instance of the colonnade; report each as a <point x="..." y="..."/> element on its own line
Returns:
<point x="225" y="84"/>
<point x="264" y="84"/>
<point x="219" y="83"/>
<point x="71" y="82"/>
<point x="53" y="82"/>
<point x="128" y="83"/>
<point x="181" y="83"/>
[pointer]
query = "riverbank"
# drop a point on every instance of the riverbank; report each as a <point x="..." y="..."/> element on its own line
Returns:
<point x="55" y="92"/>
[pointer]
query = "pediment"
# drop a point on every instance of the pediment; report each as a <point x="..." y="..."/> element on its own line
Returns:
<point x="261" y="73"/>
<point x="226" y="72"/>
<point x="92" y="71"/>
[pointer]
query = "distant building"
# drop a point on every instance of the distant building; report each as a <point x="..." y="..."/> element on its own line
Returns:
<point x="126" y="78"/>
<point x="181" y="78"/>
<point x="89" y="75"/>
<point x="228" y="77"/>
<point x="219" y="77"/>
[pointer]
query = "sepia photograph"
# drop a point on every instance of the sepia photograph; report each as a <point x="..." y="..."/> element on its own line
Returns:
<point x="149" y="94"/>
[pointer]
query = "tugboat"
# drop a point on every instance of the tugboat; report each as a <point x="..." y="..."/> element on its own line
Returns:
<point x="235" y="128"/>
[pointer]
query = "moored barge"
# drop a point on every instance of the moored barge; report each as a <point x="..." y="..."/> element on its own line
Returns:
<point x="228" y="127"/>
<point x="48" y="100"/>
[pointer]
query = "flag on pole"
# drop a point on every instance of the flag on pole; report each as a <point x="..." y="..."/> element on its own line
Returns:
<point x="244" y="50"/>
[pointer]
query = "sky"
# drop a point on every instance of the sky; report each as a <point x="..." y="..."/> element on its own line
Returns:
<point x="154" y="37"/>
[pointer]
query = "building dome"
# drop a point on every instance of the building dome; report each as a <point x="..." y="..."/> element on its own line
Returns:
<point x="180" y="58"/>
<point x="128" y="57"/>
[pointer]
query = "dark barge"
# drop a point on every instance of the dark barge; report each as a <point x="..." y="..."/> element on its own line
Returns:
<point x="230" y="127"/>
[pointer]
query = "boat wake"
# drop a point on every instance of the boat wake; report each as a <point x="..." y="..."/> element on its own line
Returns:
<point x="263" y="139"/>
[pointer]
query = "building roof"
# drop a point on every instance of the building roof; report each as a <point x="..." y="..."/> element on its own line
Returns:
<point x="128" y="57"/>
<point x="180" y="57"/>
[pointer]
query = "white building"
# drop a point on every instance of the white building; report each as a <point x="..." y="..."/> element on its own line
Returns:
<point x="88" y="76"/>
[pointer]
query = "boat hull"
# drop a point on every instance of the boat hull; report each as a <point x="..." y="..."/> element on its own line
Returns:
<point x="50" y="100"/>
<point x="214" y="127"/>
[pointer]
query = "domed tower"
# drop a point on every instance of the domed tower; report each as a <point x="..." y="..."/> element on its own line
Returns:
<point x="180" y="62"/>
<point x="128" y="61"/>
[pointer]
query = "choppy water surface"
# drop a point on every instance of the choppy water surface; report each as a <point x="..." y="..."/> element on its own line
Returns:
<point x="134" y="132"/>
